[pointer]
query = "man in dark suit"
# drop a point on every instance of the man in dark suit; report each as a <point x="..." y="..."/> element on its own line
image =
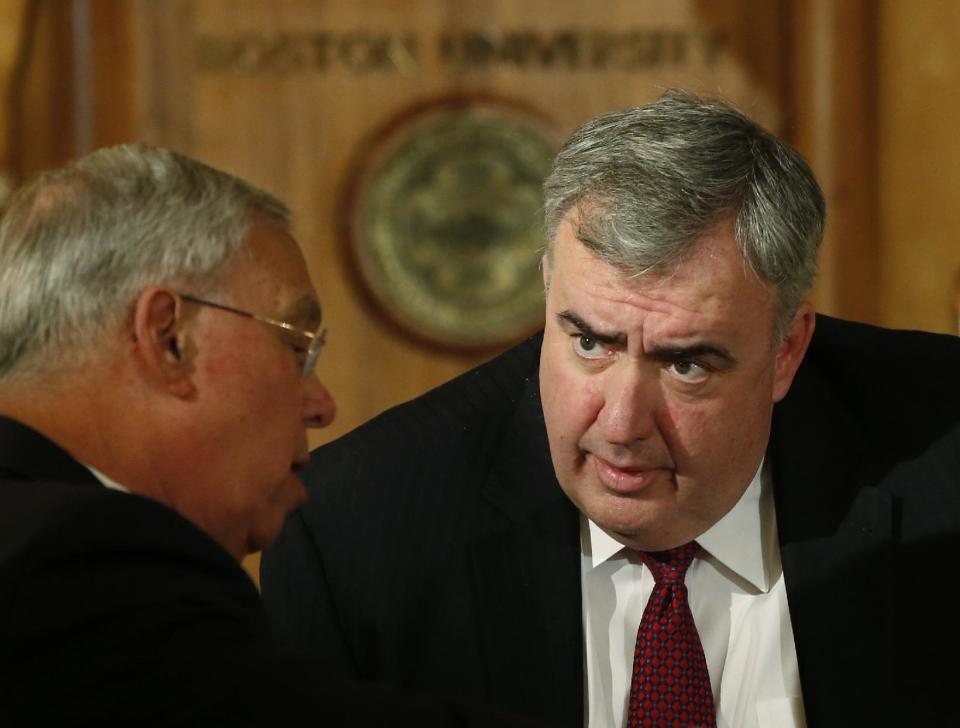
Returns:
<point x="158" y="335"/>
<point x="497" y="536"/>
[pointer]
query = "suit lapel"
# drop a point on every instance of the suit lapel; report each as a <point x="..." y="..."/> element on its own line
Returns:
<point x="526" y="572"/>
<point x="834" y="531"/>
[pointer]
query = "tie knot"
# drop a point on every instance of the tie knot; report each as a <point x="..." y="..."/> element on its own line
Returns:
<point x="670" y="566"/>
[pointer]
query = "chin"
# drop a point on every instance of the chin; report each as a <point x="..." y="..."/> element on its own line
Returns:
<point x="623" y="516"/>
<point x="266" y="532"/>
<point x="631" y="532"/>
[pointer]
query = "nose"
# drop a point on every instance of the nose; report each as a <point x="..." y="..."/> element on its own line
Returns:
<point x="630" y="400"/>
<point x="318" y="405"/>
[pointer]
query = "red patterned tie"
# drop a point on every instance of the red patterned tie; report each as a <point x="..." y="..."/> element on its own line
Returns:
<point x="670" y="685"/>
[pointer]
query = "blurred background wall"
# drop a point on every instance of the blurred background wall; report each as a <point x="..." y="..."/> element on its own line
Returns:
<point x="408" y="136"/>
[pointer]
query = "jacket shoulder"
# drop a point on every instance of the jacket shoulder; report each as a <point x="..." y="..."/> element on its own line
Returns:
<point x="897" y="384"/>
<point x="467" y="413"/>
<point x="863" y="357"/>
<point x="69" y="523"/>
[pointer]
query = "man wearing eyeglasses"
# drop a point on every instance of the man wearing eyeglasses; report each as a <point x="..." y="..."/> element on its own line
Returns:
<point x="158" y="336"/>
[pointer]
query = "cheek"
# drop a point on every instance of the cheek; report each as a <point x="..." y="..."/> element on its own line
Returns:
<point x="284" y="411"/>
<point x="267" y="408"/>
<point x="273" y="441"/>
<point x="714" y="441"/>
<point x="571" y="402"/>
<point x="686" y="429"/>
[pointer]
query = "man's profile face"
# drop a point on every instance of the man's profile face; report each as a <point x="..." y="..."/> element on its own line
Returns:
<point x="658" y="391"/>
<point x="257" y="408"/>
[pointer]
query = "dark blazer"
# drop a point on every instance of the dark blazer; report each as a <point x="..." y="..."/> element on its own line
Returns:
<point x="112" y="606"/>
<point x="438" y="551"/>
<point x="115" y="610"/>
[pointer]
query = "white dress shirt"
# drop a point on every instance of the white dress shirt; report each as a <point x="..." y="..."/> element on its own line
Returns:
<point x="107" y="482"/>
<point x="739" y="603"/>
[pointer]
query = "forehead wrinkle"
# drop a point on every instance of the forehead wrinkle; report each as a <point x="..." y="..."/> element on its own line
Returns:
<point x="652" y="293"/>
<point x="609" y="307"/>
<point x="664" y="324"/>
<point x="596" y="290"/>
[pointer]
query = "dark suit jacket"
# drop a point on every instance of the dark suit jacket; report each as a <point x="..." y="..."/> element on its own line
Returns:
<point x="115" y="610"/>
<point x="438" y="551"/>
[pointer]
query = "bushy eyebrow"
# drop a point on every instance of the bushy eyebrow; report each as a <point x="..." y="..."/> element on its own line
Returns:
<point x="586" y="329"/>
<point x="660" y="353"/>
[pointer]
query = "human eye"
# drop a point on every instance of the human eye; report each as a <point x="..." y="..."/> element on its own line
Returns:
<point x="299" y="345"/>
<point x="688" y="371"/>
<point x="588" y="347"/>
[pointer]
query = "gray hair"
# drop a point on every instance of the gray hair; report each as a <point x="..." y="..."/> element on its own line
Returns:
<point x="79" y="244"/>
<point x="649" y="181"/>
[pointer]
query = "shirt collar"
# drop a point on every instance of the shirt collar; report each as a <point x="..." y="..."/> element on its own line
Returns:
<point x="107" y="482"/>
<point x="736" y="540"/>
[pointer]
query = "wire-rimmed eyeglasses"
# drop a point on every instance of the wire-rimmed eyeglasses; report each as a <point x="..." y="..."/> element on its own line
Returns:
<point x="313" y="341"/>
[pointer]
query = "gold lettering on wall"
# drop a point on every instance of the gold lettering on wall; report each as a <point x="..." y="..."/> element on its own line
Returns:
<point x="358" y="51"/>
<point x="363" y="51"/>
<point x="632" y="50"/>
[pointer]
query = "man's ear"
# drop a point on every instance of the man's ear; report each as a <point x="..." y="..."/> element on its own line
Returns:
<point x="160" y="341"/>
<point x="791" y="350"/>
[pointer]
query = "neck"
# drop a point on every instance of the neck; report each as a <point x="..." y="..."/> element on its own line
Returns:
<point x="110" y="418"/>
<point x="89" y="416"/>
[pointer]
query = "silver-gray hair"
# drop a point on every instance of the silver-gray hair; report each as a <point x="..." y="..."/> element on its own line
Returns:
<point x="79" y="244"/>
<point x="649" y="181"/>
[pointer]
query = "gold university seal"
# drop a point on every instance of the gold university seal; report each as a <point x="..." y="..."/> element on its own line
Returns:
<point x="446" y="227"/>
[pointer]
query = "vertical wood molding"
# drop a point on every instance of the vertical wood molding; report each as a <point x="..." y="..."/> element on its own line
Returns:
<point x="73" y="85"/>
<point x="831" y="102"/>
<point x="41" y="99"/>
<point x="82" y="63"/>
<point x="919" y="164"/>
<point x="114" y="72"/>
<point x="12" y="25"/>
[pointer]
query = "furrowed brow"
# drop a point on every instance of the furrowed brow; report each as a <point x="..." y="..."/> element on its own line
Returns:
<point x="587" y="330"/>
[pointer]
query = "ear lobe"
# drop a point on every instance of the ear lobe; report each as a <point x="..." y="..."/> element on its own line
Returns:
<point x="792" y="349"/>
<point x="158" y="328"/>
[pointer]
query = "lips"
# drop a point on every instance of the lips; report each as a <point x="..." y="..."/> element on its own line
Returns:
<point x="627" y="478"/>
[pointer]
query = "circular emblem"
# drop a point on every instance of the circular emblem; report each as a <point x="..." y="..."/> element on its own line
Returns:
<point x="446" y="226"/>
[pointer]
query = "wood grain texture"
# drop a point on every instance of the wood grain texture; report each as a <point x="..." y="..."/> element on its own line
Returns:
<point x="296" y="128"/>
<point x="831" y="119"/>
<point x="919" y="165"/>
<point x="314" y="81"/>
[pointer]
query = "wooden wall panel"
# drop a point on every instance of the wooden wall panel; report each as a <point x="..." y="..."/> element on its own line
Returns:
<point x="12" y="21"/>
<point x="832" y="120"/>
<point x="286" y="93"/>
<point x="919" y="164"/>
<point x="42" y="118"/>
